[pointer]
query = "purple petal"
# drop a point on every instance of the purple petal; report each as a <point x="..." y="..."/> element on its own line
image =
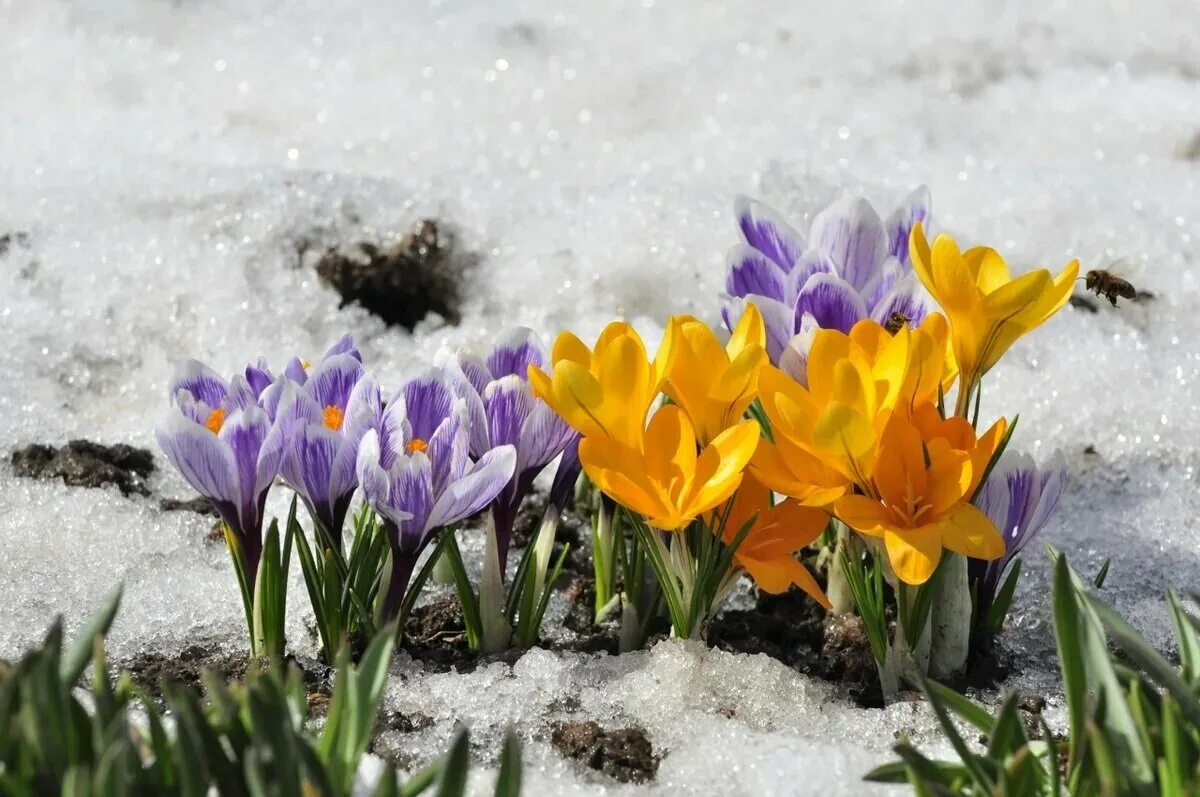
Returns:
<point x="464" y="389"/>
<point x="427" y="400"/>
<point x="915" y="207"/>
<point x="515" y="351"/>
<point x="240" y="395"/>
<point x="543" y="437"/>
<point x="890" y="272"/>
<point x="765" y="230"/>
<point x="296" y="371"/>
<point x="364" y="410"/>
<point x="395" y="431"/>
<point x="201" y="458"/>
<point x="311" y="458"/>
<point x="412" y="493"/>
<point x="850" y="233"/>
<point x="475" y="369"/>
<point x="507" y="402"/>
<point x="333" y="380"/>
<point x="371" y="476"/>
<point x="449" y="448"/>
<point x="752" y="272"/>
<point x="245" y="432"/>
<point x="1053" y="481"/>
<point x="908" y="298"/>
<point x="202" y="382"/>
<point x="345" y="345"/>
<point x="259" y="376"/>
<point x="831" y="301"/>
<point x="476" y="489"/>
<point x="810" y="264"/>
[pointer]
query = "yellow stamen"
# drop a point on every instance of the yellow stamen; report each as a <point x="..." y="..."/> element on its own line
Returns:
<point x="305" y="364"/>
<point x="216" y="420"/>
<point x="416" y="445"/>
<point x="333" y="418"/>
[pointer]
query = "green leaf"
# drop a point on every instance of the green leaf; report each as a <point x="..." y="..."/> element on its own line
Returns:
<point x="998" y="611"/>
<point x="1007" y="736"/>
<point x="466" y="592"/>
<point x="76" y="660"/>
<point x="1068" y="636"/>
<point x="969" y="761"/>
<point x="452" y="781"/>
<point x="239" y="569"/>
<point x="974" y="714"/>
<point x="1098" y="581"/>
<point x="1008" y="433"/>
<point x="1186" y="638"/>
<point x="508" y="782"/>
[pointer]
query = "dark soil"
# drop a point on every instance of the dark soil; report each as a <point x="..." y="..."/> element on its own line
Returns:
<point x="201" y="506"/>
<point x="624" y="754"/>
<point x="82" y="463"/>
<point x="150" y="669"/>
<point x="404" y="283"/>
<point x="436" y="636"/>
<point x="795" y="630"/>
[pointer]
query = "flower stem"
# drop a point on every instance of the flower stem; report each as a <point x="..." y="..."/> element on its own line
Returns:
<point x="950" y="618"/>
<point x="496" y="632"/>
<point x="837" y="588"/>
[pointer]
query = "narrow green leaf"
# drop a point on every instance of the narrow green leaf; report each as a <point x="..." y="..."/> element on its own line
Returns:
<point x="1098" y="581"/>
<point x="508" y="782"/>
<point x="1003" y="600"/>
<point x="1186" y="638"/>
<point x="452" y="780"/>
<point x="76" y="659"/>
<point x="969" y="761"/>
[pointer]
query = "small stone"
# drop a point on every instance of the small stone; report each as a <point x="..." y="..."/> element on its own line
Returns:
<point x="82" y="463"/>
<point x="201" y="506"/>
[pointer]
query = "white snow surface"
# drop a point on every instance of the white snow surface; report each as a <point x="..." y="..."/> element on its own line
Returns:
<point x="168" y="159"/>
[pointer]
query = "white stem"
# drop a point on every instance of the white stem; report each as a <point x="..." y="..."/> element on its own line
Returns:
<point x="543" y="547"/>
<point x="951" y="618"/>
<point x="837" y="588"/>
<point x="443" y="571"/>
<point x="497" y="634"/>
<point x="631" y="625"/>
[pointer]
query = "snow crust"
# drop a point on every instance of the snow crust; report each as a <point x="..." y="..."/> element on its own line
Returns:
<point x="170" y="162"/>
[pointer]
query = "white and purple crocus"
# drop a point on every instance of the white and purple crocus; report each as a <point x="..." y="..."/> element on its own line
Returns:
<point x="852" y="265"/>
<point x="504" y="411"/>
<point x="1019" y="497"/>
<point x="417" y="473"/>
<point x="227" y="447"/>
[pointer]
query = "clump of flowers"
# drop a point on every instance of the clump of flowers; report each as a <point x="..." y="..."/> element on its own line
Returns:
<point x="677" y="477"/>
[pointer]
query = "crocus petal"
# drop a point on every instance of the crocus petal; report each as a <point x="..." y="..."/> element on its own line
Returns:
<point x="908" y="298"/>
<point x="344" y="345"/>
<point x="968" y="531"/>
<point x="543" y="437"/>
<point x="507" y="403"/>
<point x="779" y="322"/>
<point x="333" y="380"/>
<point x="518" y="349"/>
<point x="765" y="230"/>
<point x="794" y="360"/>
<point x="449" y="448"/>
<point x="295" y="371"/>
<point x="376" y="485"/>
<point x="752" y="272"/>
<point x="201" y="458"/>
<point x="476" y="489"/>
<point x="914" y="208"/>
<point x="427" y="400"/>
<point x="258" y="376"/>
<point x="833" y="302"/>
<point x="913" y="553"/>
<point x="476" y="371"/>
<point x="411" y="491"/>
<point x="202" y="382"/>
<point x="850" y="232"/>
<point x="244" y="432"/>
<point x="311" y="458"/>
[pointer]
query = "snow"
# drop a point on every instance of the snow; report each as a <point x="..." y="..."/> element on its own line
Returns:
<point x="168" y="161"/>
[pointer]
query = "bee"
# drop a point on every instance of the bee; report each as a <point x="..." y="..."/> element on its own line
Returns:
<point x="1107" y="284"/>
<point x="896" y="322"/>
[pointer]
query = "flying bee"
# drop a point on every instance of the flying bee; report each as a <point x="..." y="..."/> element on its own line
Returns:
<point x="896" y="322"/>
<point x="1103" y="282"/>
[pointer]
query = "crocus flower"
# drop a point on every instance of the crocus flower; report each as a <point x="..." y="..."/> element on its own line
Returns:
<point x="988" y="309"/>
<point x="666" y="480"/>
<point x="852" y="266"/>
<point x="768" y="551"/>
<point x="506" y="412"/>
<point x="227" y="448"/>
<point x="334" y="407"/>
<point x="917" y="501"/>
<point x="825" y="434"/>
<point x="606" y="391"/>
<point x="1019" y="497"/>
<point x="270" y="389"/>
<point x="714" y="384"/>
<point x="416" y="471"/>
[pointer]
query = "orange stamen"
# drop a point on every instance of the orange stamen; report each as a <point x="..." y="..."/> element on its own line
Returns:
<point x="333" y="418"/>
<point x="416" y="445"/>
<point x="216" y="419"/>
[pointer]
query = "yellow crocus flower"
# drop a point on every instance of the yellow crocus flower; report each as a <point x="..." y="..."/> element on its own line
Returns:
<point x="714" y="384"/>
<point x="987" y="307"/>
<point x="917" y="501"/>
<point x="666" y="480"/>
<point x="825" y="435"/>
<point x="768" y="551"/>
<point x="605" y="391"/>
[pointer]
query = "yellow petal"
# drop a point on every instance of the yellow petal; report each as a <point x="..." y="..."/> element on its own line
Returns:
<point x="617" y="470"/>
<point x="750" y="331"/>
<point x="720" y="465"/>
<point x="968" y="531"/>
<point x="775" y="575"/>
<point x="576" y="397"/>
<point x="913" y="553"/>
<point x="864" y="515"/>
<point x="921" y="257"/>
<point x="987" y="266"/>
<point x="670" y="447"/>
<point x="848" y="438"/>
<point x="956" y="291"/>
<point x="569" y="347"/>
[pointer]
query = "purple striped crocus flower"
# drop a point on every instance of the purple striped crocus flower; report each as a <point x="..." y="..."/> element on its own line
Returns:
<point x="1019" y="497"/>
<point x="416" y="471"/>
<point x="227" y="448"/>
<point x="335" y="406"/>
<point x="504" y="411"/>
<point x="853" y="265"/>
